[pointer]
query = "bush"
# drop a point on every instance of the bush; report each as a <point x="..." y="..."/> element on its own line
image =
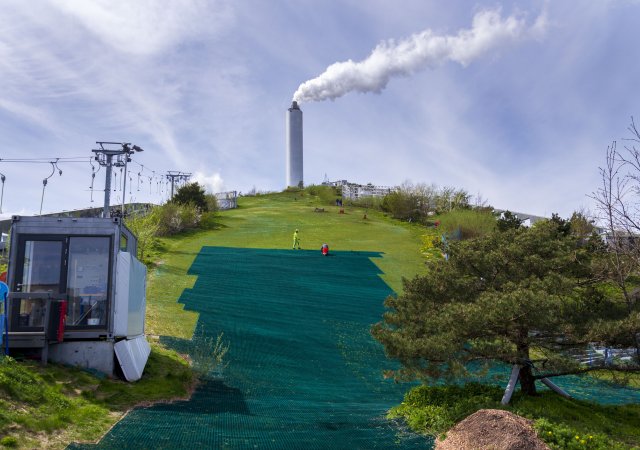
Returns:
<point x="145" y="228"/>
<point x="562" y="437"/>
<point x="168" y="219"/>
<point x="561" y="423"/>
<point x="172" y="218"/>
<point x="401" y="205"/>
<point x="326" y="194"/>
<point x="435" y="409"/>
<point x="190" y="216"/>
<point x="193" y="194"/>
<point x="212" y="203"/>
<point x="9" y="441"/>
<point x="431" y="244"/>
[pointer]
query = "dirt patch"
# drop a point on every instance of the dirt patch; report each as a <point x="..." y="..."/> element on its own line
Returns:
<point x="492" y="429"/>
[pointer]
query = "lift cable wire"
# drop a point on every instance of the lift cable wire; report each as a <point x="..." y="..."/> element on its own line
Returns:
<point x="93" y="175"/>
<point x="155" y="177"/>
<point x="54" y="166"/>
<point x="44" y="160"/>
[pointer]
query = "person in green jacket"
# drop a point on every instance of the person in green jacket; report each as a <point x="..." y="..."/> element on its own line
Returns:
<point x="296" y="240"/>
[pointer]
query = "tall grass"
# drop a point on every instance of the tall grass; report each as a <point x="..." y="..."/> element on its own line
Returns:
<point x="467" y="223"/>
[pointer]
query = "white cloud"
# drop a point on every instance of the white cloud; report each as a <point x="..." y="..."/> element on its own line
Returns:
<point x="213" y="183"/>
<point x="147" y="27"/>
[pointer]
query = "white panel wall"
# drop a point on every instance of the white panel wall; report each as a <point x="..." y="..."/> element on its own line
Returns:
<point x="132" y="355"/>
<point x="130" y="297"/>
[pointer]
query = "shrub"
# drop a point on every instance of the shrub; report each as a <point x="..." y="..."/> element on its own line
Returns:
<point x="145" y="228"/>
<point x="189" y="216"/>
<point x="562" y="437"/>
<point x="212" y="202"/>
<point x="435" y="409"/>
<point x="430" y="244"/>
<point x="401" y="205"/>
<point x="173" y="218"/>
<point x="563" y="424"/>
<point x="192" y="193"/>
<point x="326" y="194"/>
<point x="9" y="441"/>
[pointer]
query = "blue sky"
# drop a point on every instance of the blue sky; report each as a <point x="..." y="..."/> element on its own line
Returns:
<point x="203" y="87"/>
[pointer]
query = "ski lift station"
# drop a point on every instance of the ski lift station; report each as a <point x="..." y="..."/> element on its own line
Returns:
<point x="77" y="294"/>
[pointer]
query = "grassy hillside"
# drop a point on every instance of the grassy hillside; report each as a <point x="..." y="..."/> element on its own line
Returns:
<point x="268" y="221"/>
<point x="47" y="407"/>
<point x="50" y="406"/>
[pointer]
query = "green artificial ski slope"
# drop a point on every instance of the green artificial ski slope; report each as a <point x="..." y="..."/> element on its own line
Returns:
<point x="303" y="372"/>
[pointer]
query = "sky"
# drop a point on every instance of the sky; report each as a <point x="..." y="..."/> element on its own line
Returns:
<point x="513" y="101"/>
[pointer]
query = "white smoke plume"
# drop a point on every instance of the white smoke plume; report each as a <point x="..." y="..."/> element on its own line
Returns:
<point x="426" y="49"/>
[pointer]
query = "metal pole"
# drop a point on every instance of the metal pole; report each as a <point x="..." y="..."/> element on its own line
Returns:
<point x="107" y="188"/>
<point x="44" y="185"/>
<point x="2" y="195"/>
<point x="124" y="187"/>
<point x="515" y="372"/>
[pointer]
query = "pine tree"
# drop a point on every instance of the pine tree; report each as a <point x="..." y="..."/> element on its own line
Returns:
<point x="525" y="296"/>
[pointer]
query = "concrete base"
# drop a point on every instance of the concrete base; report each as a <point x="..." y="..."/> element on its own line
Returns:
<point x="97" y="355"/>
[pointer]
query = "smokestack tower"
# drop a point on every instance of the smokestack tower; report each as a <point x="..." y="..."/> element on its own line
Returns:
<point x="294" y="145"/>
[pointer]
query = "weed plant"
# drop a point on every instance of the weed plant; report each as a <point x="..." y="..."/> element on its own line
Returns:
<point x="208" y="354"/>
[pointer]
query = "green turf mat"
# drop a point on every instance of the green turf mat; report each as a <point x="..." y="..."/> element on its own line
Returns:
<point x="303" y="372"/>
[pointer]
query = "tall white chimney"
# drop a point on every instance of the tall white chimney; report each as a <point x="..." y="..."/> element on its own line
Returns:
<point x="294" y="145"/>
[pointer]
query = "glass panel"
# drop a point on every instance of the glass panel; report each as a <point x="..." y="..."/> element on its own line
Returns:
<point x="87" y="281"/>
<point x="31" y="312"/>
<point x="123" y="242"/>
<point x="42" y="266"/>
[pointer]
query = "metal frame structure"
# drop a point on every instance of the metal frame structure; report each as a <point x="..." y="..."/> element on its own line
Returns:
<point x="120" y="303"/>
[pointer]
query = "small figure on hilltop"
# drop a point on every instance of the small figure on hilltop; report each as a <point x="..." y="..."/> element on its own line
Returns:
<point x="325" y="250"/>
<point x="296" y="240"/>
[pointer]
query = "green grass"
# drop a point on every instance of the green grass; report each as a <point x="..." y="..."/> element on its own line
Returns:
<point x="268" y="221"/>
<point x="469" y="223"/>
<point x="435" y="409"/>
<point x="622" y="379"/>
<point x="50" y="406"/>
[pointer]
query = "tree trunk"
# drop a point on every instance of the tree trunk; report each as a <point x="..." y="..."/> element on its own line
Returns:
<point x="527" y="381"/>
